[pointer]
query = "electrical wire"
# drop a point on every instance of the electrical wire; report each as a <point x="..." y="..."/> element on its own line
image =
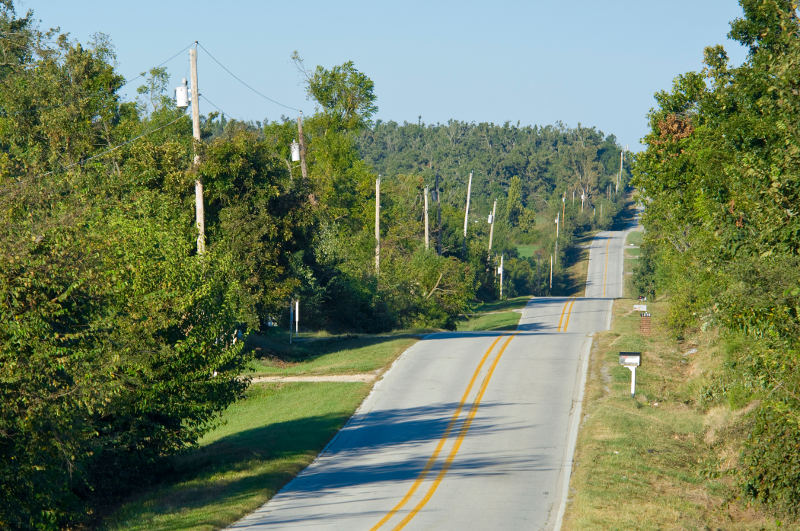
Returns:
<point x="86" y="97"/>
<point x="217" y="107"/>
<point x="240" y="80"/>
<point x="158" y="65"/>
<point x="106" y="152"/>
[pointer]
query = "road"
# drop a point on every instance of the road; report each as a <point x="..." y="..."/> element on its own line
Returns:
<point x="466" y="430"/>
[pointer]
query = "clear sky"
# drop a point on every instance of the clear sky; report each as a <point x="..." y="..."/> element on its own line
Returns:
<point x="537" y="62"/>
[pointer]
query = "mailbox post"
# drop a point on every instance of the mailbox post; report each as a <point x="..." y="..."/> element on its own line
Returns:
<point x="631" y="360"/>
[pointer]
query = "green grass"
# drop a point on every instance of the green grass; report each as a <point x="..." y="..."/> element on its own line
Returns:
<point x="266" y="439"/>
<point x="650" y="462"/>
<point x="263" y="442"/>
<point x="526" y="250"/>
<point x="496" y="315"/>
<point x="635" y="237"/>
<point x="342" y="355"/>
<point x="505" y="304"/>
<point x="491" y="321"/>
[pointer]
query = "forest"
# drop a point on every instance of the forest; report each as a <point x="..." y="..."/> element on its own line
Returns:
<point x="719" y="181"/>
<point x="120" y="343"/>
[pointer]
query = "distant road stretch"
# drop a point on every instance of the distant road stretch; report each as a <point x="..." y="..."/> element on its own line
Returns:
<point x="466" y="430"/>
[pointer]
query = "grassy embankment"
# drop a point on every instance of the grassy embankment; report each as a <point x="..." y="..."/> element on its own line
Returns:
<point x="654" y="461"/>
<point x="263" y="441"/>
<point x="499" y="315"/>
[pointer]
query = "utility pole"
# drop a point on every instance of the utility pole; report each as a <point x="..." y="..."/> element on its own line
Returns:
<point x="291" y="320"/>
<point x="303" y="168"/>
<point x="466" y="212"/>
<point x="491" y="226"/>
<point x="378" y="225"/>
<point x="556" y="253"/>
<point x="199" y="209"/>
<point x="438" y="218"/>
<point x="427" y="226"/>
<point x="501" y="276"/>
<point x="619" y="177"/>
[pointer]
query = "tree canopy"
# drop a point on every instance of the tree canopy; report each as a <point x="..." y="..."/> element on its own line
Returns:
<point x="719" y="182"/>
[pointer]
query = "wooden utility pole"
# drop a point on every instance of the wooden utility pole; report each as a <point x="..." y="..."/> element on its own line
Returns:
<point x="491" y="226"/>
<point x="291" y="320"/>
<point x="556" y="252"/>
<point x="378" y="225"/>
<point x="427" y="226"/>
<point x="199" y="209"/>
<point x="438" y="217"/>
<point x="501" y="276"/>
<point x="466" y="212"/>
<point x="302" y="143"/>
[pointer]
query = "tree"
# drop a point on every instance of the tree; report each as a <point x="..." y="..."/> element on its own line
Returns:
<point x="346" y="95"/>
<point x="719" y="182"/>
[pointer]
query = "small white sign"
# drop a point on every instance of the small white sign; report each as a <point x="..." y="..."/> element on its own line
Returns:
<point x="640" y="307"/>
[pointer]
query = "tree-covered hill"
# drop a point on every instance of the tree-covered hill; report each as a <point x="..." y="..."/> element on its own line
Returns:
<point x="548" y="160"/>
<point x="121" y="341"/>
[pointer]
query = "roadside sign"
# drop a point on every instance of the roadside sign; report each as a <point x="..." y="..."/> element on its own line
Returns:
<point x="639" y="307"/>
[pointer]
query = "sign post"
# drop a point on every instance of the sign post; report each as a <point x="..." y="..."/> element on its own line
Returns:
<point x="631" y="360"/>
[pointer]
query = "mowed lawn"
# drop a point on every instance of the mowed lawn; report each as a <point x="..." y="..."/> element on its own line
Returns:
<point x="261" y="444"/>
<point x="264" y="440"/>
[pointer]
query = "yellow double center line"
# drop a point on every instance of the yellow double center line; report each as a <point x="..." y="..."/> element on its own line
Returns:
<point x="566" y="310"/>
<point x="462" y="433"/>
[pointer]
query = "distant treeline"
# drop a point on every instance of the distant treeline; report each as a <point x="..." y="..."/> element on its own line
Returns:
<point x="120" y="344"/>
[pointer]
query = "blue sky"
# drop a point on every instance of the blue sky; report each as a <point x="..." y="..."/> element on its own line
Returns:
<point x="536" y="62"/>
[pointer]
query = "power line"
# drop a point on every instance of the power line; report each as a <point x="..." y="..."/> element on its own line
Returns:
<point x="217" y="107"/>
<point x="158" y="65"/>
<point x="106" y="152"/>
<point x="240" y="80"/>
<point x="86" y="97"/>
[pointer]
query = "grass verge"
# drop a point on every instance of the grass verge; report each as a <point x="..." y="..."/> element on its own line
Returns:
<point x="261" y="444"/>
<point x="654" y="461"/>
<point x="498" y="315"/>
<point x="573" y="283"/>
<point x="265" y="440"/>
<point x="338" y="355"/>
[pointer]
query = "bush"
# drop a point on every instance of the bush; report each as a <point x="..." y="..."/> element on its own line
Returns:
<point x="771" y="460"/>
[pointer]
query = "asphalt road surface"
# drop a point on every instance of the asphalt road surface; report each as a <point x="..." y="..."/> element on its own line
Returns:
<point x="466" y="430"/>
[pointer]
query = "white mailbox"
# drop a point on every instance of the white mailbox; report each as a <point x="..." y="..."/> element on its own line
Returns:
<point x="631" y="360"/>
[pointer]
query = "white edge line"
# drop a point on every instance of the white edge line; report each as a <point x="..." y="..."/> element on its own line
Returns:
<point x="574" y="425"/>
<point x="242" y="522"/>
